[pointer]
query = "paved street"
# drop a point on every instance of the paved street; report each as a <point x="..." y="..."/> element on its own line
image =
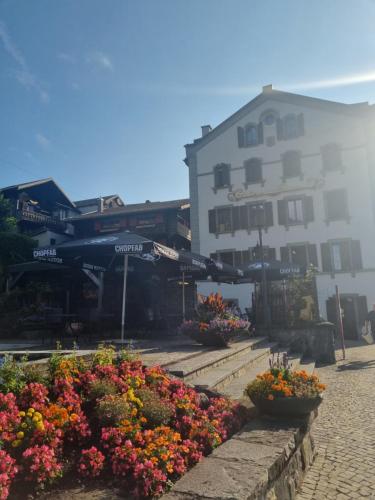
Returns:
<point x="344" y="432"/>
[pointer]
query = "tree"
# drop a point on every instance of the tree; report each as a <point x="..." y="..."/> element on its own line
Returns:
<point x="14" y="247"/>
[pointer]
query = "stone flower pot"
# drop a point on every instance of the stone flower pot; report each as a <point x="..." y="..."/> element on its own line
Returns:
<point x="218" y="339"/>
<point x="287" y="407"/>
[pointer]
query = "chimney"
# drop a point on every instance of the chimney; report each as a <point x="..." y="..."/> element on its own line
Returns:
<point x="267" y="88"/>
<point x="206" y="129"/>
<point x="101" y="204"/>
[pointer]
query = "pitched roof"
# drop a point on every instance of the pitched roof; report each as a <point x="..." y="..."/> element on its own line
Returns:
<point x="148" y="206"/>
<point x="90" y="201"/>
<point x="37" y="184"/>
<point x="277" y="95"/>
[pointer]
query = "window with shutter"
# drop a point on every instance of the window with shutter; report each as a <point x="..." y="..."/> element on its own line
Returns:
<point x="294" y="211"/>
<point x="326" y="257"/>
<point x="253" y="171"/>
<point x="356" y="255"/>
<point x="291" y="164"/>
<point x="298" y="254"/>
<point x="290" y="127"/>
<point x="331" y="157"/>
<point x="336" y="205"/>
<point x="222" y="176"/>
<point x="256" y="215"/>
<point x="312" y="255"/>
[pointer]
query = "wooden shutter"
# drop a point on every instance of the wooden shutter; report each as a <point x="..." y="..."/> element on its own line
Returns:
<point x="212" y="221"/>
<point x="284" y="254"/>
<point x="308" y="209"/>
<point x="236" y="218"/>
<point x="281" y="209"/>
<point x="312" y="255"/>
<point x="346" y="255"/>
<point x="279" y="129"/>
<point x="268" y="213"/>
<point x="356" y="255"/>
<point x="260" y="133"/>
<point x="300" y="124"/>
<point x="326" y="257"/>
<point x="241" y="137"/>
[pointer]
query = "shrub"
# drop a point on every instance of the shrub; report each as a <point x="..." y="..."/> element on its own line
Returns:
<point x="155" y="410"/>
<point x="101" y="388"/>
<point x="112" y="409"/>
<point x="12" y="378"/>
<point x="105" y="355"/>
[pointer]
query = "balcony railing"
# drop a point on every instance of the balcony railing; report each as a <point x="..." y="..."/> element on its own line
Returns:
<point x="42" y="219"/>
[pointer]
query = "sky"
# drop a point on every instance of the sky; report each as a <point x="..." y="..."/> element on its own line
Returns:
<point x="102" y="95"/>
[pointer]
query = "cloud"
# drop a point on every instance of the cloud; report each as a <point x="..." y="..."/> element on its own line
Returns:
<point x="100" y="60"/>
<point x="68" y="58"/>
<point x="22" y="74"/>
<point x="42" y="140"/>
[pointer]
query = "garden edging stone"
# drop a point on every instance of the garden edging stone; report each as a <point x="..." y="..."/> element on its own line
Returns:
<point x="266" y="460"/>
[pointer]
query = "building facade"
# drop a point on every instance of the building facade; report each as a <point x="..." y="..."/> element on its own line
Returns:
<point x="303" y="168"/>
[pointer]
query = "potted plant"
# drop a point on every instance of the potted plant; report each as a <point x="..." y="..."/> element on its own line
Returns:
<point x="216" y="325"/>
<point x="281" y="391"/>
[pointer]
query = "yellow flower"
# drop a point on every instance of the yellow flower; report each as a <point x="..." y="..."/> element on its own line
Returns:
<point x="20" y="435"/>
<point x="38" y="415"/>
<point x="31" y="410"/>
<point x="16" y="443"/>
<point x="24" y="425"/>
<point x="40" y="426"/>
<point x="21" y="414"/>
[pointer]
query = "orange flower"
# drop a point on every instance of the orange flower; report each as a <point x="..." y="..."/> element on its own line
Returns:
<point x="270" y="397"/>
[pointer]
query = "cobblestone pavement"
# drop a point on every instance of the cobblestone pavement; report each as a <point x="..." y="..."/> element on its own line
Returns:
<point x="344" y="431"/>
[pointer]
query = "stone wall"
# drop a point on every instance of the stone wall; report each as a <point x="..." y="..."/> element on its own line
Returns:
<point x="266" y="460"/>
<point x="316" y="342"/>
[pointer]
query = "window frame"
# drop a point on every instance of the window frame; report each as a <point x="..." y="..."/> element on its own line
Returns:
<point x="215" y="170"/>
<point x="295" y="199"/>
<point x="247" y="127"/>
<point x="288" y="117"/>
<point x="284" y="160"/>
<point x="324" y="151"/>
<point x="250" y="206"/>
<point x="345" y="216"/>
<point x="247" y="165"/>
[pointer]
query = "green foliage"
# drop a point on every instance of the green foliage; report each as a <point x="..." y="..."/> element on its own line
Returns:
<point x="7" y="222"/>
<point x="101" y="388"/>
<point x="112" y="409"/>
<point x="12" y="377"/>
<point x="105" y="355"/>
<point x="55" y="360"/>
<point x="127" y="355"/>
<point x="156" y="411"/>
<point x="298" y="289"/>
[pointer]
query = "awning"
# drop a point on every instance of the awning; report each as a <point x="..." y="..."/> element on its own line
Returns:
<point x="275" y="270"/>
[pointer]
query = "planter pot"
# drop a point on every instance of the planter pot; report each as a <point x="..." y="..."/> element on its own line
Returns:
<point x="218" y="339"/>
<point x="287" y="407"/>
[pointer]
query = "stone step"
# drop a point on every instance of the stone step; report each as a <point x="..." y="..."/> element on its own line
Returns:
<point x="189" y="369"/>
<point x="219" y="377"/>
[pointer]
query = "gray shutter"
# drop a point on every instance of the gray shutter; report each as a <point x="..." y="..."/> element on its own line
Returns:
<point x="284" y="254"/>
<point x="271" y="253"/>
<point x="226" y="169"/>
<point x="356" y="255"/>
<point x="246" y="257"/>
<point x="241" y="137"/>
<point x="308" y="209"/>
<point x="313" y="255"/>
<point x="268" y="213"/>
<point x="326" y="257"/>
<point x="279" y="129"/>
<point x="281" y="208"/>
<point x="238" y="258"/>
<point x="301" y="124"/>
<point x="236" y="218"/>
<point x="260" y="133"/>
<point x="244" y="224"/>
<point x="212" y="221"/>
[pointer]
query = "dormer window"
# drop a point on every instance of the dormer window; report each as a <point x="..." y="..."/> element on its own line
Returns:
<point x="222" y="176"/>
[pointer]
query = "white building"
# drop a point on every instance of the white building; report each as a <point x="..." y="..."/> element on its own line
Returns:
<point x="310" y="165"/>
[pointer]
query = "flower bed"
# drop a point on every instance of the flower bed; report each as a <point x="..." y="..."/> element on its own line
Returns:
<point x="216" y="324"/>
<point x="113" y="419"/>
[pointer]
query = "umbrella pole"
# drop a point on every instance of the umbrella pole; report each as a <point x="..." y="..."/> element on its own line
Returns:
<point x="183" y="296"/>
<point x="126" y="259"/>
